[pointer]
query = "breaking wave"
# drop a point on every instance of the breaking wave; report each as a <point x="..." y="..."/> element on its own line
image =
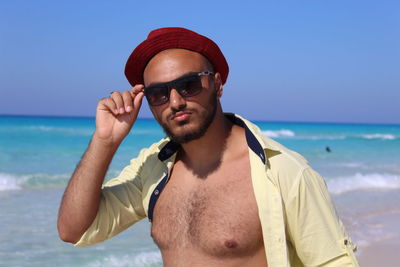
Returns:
<point x="8" y="182"/>
<point x="38" y="180"/>
<point x="379" y="136"/>
<point x="360" y="181"/>
<point x="279" y="133"/>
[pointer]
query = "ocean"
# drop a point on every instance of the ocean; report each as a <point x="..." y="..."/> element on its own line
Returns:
<point x="38" y="155"/>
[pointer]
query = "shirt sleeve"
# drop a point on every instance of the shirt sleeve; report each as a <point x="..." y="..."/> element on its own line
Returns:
<point x="315" y="231"/>
<point x="121" y="205"/>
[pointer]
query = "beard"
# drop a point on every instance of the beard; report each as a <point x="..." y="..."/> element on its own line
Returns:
<point x="206" y="119"/>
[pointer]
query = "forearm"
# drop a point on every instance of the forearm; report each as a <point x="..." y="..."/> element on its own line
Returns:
<point x="81" y="199"/>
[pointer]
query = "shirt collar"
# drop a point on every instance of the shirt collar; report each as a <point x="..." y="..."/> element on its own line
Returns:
<point x="254" y="137"/>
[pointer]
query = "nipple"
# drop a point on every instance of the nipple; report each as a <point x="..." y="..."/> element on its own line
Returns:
<point x="231" y="244"/>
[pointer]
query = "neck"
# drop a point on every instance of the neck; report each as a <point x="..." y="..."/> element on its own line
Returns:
<point x="204" y="155"/>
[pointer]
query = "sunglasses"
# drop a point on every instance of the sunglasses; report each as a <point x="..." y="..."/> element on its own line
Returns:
<point x="187" y="86"/>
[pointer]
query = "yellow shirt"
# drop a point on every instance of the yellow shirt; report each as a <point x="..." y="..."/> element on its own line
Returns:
<point x="299" y="222"/>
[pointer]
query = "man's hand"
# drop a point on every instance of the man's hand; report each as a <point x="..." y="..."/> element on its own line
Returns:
<point x="116" y="115"/>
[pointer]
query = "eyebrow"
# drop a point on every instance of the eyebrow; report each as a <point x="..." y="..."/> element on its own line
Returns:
<point x="183" y="76"/>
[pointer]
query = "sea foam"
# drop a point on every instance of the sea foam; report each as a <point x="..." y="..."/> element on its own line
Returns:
<point x="8" y="182"/>
<point x="279" y="133"/>
<point x="150" y="258"/>
<point x="323" y="137"/>
<point x="61" y="130"/>
<point x="147" y="258"/>
<point x="286" y="133"/>
<point x="360" y="181"/>
<point x="379" y="136"/>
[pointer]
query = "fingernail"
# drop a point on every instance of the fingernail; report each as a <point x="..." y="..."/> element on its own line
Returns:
<point x="116" y="111"/>
<point x="121" y="110"/>
<point x="128" y="109"/>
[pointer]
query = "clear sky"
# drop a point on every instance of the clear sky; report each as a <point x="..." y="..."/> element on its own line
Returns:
<point x="333" y="61"/>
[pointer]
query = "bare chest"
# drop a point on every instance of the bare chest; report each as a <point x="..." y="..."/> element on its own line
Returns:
<point x="217" y="216"/>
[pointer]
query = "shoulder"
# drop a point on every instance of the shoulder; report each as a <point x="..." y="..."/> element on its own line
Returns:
<point x="287" y="168"/>
<point x="151" y="152"/>
<point x="281" y="158"/>
<point x="153" y="157"/>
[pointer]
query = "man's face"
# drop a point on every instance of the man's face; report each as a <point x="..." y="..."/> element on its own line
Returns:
<point x="183" y="119"/>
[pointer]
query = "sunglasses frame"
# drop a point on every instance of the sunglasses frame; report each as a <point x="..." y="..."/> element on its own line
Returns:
<point x="170" y="85"/>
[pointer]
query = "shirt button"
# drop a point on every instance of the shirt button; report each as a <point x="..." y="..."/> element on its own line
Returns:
<point x="156" y="192"/>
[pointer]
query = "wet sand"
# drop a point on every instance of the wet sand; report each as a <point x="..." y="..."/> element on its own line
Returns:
<point x="384" y="252"/>
<point x="381" y="254"/>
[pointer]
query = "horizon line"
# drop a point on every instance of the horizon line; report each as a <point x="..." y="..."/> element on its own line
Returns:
<point x="254" y="120"/>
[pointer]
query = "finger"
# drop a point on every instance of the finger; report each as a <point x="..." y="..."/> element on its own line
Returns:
<point x="137" y="89"/>
<point x="108" y="104"/>
<point x="119" y="102"/>
<point x="111" y="106"/>
<point x="127" y="98"/>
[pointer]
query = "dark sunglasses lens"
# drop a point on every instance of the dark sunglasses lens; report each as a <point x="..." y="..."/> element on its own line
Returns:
<point x="157" y="95"/>
<point x="189" y="86"/>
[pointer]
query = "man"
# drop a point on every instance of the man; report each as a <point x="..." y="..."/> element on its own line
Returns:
<point x="217" y="192"/>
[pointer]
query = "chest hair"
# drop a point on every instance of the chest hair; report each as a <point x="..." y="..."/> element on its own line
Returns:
<point x="219" y="219"/>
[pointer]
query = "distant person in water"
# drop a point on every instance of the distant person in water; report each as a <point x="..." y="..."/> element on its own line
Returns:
<point x="328" y="149"/>
<point x="216" y="190"/>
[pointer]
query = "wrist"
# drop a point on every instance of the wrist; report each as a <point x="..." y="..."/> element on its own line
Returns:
<point x="105" y="143"/>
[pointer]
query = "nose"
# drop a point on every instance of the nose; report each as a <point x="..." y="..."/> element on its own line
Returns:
<point x="176" y="101"/>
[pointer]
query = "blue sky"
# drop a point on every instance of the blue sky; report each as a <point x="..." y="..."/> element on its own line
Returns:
<point x="332" y="61"/>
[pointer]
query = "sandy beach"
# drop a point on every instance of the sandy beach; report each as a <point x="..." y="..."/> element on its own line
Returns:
<point x="386" y="251"/>
<point x="381" y="254"/>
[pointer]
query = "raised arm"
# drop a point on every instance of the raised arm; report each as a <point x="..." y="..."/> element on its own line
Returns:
<point x="115" y="117"/>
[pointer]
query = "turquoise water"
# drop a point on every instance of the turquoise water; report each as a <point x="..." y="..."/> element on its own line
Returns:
<point x="38" y="155"/>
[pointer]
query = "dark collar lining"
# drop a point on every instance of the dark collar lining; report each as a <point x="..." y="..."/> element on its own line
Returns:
<point x="171" y="147"/>
<point x="168" y="150"/>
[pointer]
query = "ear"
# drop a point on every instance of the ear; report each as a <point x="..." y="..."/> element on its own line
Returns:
<point x="218" y="84"/>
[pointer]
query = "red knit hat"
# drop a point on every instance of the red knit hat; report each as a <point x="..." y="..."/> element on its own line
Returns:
<point x="173" y="37"/>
